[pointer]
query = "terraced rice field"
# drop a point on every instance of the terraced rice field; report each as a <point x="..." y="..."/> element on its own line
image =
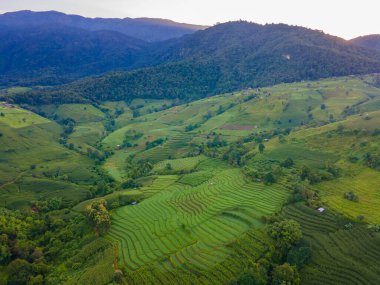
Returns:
<point x="299" y="153"/>
<point x="181" y="226"/>
<point x="180" y="164"/>
<point x="176" y="146"/>
<point x="339" y="256"/>
<point x="365" y="185"/>
<point x="250" y="246"/>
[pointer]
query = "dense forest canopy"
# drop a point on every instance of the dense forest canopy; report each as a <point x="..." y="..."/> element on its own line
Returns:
<point x="223" y="58"/>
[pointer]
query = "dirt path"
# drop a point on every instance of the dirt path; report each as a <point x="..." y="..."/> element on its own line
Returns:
<point x="12" y="181"/>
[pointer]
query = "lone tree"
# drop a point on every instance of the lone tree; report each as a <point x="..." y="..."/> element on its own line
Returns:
<point x="287" y="233"/>
<point x="261" y="147"/>
<point x="99" y="216"/>
<point x="269" y="178"/>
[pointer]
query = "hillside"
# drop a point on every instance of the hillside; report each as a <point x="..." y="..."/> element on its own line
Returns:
<point x="194" y="189"/>
<point x="56" y="54"/>
<point x="145" y="29"/>
<point x="370" y="41"/>
<point x="50" y="48"/>
<point x="224" y="58"/>
<point x="144" y="151"/>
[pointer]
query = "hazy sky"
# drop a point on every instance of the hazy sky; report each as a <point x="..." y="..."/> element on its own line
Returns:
<point x="345" y="18"/>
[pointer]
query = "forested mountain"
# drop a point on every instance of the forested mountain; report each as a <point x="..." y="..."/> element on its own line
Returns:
<point x="146" y="29"/>
<point x="370" y="41"/>
<point x="224" y="58"/>
<point x="56" y="54"/>
<point x="49" y="48"/>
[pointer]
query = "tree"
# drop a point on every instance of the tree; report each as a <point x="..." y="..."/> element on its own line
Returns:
<point x="19" y="272"/>
<point x="287" y="233"/>
<point x="299" y="255"/>
<point x="255" y="275"/>
<point x="36" y="280"/>
<point x="269" y="178"/>
<point x="287" y="162"/>
<point x="99" y="216"/>
<point x="285" y="274"/>
<point x="5" y="254"/>
<point x="261" y="147"/>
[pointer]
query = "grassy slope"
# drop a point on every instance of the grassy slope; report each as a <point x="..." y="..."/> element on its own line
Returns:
<point x="286" y="105"/>
<point x="278" y="107"/>
<point x="192" y="214"/>
<point x="33" y="164"/>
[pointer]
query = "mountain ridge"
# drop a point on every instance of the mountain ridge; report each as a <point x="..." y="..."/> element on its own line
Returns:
<point x="225" y="58"/>
<point x="147" y="29"/>
<point x="368" y="41"/>
<point x="57" y="54"/>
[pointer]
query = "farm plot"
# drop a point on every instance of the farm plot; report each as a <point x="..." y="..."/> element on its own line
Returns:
<point x="339" y="255"/>
<point x="365" y="185"/>
<point x="177" y="146"/>
<point x="177" y="165"/>
<point x="81" y="113"/>
<point x="189" y="227"/>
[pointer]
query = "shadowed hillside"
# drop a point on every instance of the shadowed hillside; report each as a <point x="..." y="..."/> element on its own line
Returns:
<point x="223" y="58"/>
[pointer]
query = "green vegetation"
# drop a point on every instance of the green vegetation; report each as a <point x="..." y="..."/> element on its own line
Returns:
<point x="339" y="255"/>
<point x="98" y="216"/>
<point x="223" y="58"/>
<point x="276" y="185"/>
<point x="192" y="221"/>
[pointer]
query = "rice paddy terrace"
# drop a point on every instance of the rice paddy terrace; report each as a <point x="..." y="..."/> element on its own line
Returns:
<point x="341" y="254"/>
<point x="197" y="207"/>
<point x="189" y="227"/>
<point x="197" y="217"/>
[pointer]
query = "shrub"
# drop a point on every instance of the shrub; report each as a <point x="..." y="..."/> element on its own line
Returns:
<point x="269" y="178"/>
<point x="287" y="162"/>
<point x="351" y="196"/>
<point x="261" y="147"/>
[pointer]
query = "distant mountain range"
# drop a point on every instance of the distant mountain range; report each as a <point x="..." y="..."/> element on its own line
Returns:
<point x="219" y="59"/>
<point x="370" y="41"/>
<point x="146" y="29"/>
<point x="49" y="48"/>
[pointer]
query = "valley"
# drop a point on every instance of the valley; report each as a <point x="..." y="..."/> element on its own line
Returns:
<point x="192" y="187"/>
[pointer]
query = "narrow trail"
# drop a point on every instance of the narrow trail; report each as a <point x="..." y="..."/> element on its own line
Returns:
<point x="12" y="181"/>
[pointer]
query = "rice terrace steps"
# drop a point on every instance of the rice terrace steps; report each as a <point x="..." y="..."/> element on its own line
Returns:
<point x="340" y="255"/>
<point x="189" y="227"/>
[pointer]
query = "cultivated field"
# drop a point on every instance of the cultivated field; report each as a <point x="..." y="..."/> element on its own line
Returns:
<point x="190" y="226"/>
<point x="340" y="255"/>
